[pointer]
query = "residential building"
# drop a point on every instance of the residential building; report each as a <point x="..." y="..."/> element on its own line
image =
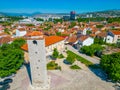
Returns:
<point x="83" y="41"/>
<point x="113" y="36"/>
<point x="20" y="32"/>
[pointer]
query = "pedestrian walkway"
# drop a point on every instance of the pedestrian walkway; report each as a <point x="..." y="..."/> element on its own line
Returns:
<point x="91" y="59"/>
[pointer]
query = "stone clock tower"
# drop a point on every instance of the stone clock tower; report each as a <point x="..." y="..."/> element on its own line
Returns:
<point x="37" y="59"/>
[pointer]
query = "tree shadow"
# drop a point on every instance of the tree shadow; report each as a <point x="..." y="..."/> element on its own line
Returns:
<point x="28" y="71"/>
<point x="66" y="62"/>
<point x="99" y="72"/>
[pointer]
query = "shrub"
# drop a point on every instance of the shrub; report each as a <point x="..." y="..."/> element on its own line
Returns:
<point x="53" y="66"/>
<point x="79" y="58"/>
<point x="61" y="56"/>
<point x="55" y="53"/>
<point x="70" y="59"/>
<point x="75" y="67"/>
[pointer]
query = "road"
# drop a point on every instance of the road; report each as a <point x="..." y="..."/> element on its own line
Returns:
<point x="91" y="59"/>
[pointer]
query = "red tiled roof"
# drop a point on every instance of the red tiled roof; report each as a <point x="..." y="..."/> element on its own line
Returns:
<point x="102" y="34"/>
<point x="72" y="39"/>
<point x="48" y="41"/>
<point x="82" y="38"/>
<point x="34" y="33"/>
<point x="5" y="39"/>
<point x="115" y="32"/>
<point x="92" y="35"/>
<point x="52" y="39"/>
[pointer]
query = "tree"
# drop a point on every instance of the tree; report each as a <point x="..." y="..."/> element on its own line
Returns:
<point x="55" y="53"/>
<point x="111" y="64"/>
<point x="18" y="43"/>
<point x="99" y="26"/>
<point x="72" y="24"/>
<point x="11" y="57"/>
<point x="39" y="19"/>
<point x="92" y="49"/>
<point x="70" y="59"/>
<point x="99" y="41"/>
<point x="6" y="30"/>
<point x="58" y="33"/>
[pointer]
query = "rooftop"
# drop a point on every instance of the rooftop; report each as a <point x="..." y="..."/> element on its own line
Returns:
<point x="115" y="32"/>
<point x="48" y="41"/>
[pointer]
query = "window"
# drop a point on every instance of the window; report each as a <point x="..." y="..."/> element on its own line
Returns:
<point x="38" y="60"/>
<point x="36" y="52"/>
<point x="37" y="67"/>
<point x="34" y="42"/>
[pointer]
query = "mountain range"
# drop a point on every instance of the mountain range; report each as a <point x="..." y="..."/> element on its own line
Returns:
<point x="97" y="13"/>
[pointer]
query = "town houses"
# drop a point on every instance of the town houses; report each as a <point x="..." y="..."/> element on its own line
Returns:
<point x="73" y="34"/>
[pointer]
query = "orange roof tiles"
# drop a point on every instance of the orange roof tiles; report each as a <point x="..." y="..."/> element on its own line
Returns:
<point x="115" y="32"/>
<point x="5" y="39"/>
<point x="52" y="39"/>
<point x="82" y="38"/>
<point x="48" y="41"/>
<point x="102" y="34"/>
<point x="92" y="35"/>
<point x="72" y="39"/>
<point x="34" y="33"/>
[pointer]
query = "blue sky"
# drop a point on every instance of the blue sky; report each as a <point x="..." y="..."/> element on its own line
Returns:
<point x="57" y="6"/>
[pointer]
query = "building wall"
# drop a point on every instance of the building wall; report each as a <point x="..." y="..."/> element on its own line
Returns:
<point x="84" y="31"/>
<point x="20" y="33"/>
<point x="58" y="45"/>
<point x="116" y="37"/>
<point x="37" y="58"/>
<point x="109" y="39"/>
<point x="88" y="42"/>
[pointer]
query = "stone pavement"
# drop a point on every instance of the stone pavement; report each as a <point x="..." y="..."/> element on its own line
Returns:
<point x="64" y="80"/>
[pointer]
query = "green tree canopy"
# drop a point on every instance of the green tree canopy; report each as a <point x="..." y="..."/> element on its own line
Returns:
<point x="11" y="57"/>
<point x="55" y="53"/>
<point x="92" y="49"/>
<point x="111" y="64"/>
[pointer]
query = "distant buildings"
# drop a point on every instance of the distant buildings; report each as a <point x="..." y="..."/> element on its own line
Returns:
<point x="20" y="32"/>
<point x="29" y="21"/>
<point x="72" y="15"/>
<point x="66" y="18"/>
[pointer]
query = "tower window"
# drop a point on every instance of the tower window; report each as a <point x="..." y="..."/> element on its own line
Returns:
<point x="34" y="42"/>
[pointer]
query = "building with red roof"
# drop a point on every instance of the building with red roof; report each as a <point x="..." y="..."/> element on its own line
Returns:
<point x="113" y="36"/>
<point x="51" y="42"/>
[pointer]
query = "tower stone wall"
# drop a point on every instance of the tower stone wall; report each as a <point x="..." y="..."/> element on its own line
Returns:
<point x="37" y="58"/>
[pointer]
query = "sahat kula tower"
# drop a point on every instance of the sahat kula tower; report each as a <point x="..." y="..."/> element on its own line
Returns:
<point x="37" y="59"/>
